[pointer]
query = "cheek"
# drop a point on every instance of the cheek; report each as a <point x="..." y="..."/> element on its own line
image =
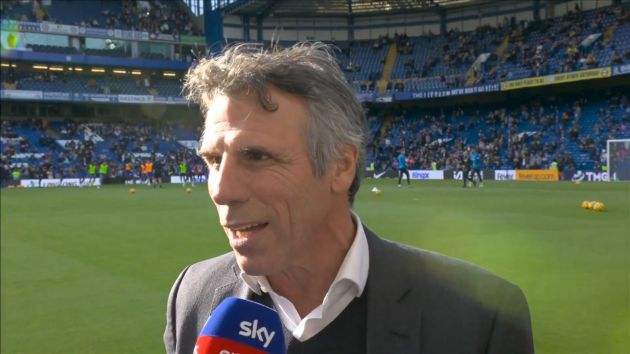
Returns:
<point x="286" y="197"/>
<point x="281" y="189"/>
<point x="303" y="205"/>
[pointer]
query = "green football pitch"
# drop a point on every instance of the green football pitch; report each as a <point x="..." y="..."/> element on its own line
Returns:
<point x="88" y="270"/>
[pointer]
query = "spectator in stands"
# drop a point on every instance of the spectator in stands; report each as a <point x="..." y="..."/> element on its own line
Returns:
<point x="364" y="86"/>
<point x="616" y="58"/>
<point x="399" y="86"/>
<point x="371" y="85"/>
<point x="350" y="67"/>
<point x="590" y="61"/>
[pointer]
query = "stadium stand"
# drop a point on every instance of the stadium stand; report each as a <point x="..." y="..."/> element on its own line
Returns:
<point x="75" y="82"/>
<point x="530" y="134"/>
<point x="155" y="17"/>
<point x="30" y="146"/>
<point x="510" y="51"/>
<point x="18" y="10"/>
<point x="515" y="50"/>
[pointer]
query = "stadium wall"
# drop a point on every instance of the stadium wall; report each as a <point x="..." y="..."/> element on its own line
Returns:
<point x="487" y="175"/>
<point x="233" y="28"/>
<point x="469" y="19"/>
<point x="498" y="175"/>
<point x="561" y="9"/>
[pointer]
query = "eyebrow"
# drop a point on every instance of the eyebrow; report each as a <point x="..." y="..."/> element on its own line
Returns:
<point x="274" y="155"/>
<point x="203" y="152"/>
<point x="206" y="145"/>
<point x="255" y="148"/>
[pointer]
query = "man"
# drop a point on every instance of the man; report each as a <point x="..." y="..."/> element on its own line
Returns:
<point x="129" y="176"/>
<point x="402" y="168"/>
<point x="17" y="175"/>
<point x="190" y="175"/>
<point x="283" y="138"/>
<point x="475" y="158"/>
<point x="143" y="171"/>
<point x="198" y="172"/>
<point x="467" y="167"/>
<point x="157" y="173"/>
<point x="183" y="173"/>
<point x="92" y="173"/>
<point x="102" y="172"/>
<point x="148" y="165"/>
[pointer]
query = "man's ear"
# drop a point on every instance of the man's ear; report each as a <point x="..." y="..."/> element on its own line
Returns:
<point x="344" y="169"/>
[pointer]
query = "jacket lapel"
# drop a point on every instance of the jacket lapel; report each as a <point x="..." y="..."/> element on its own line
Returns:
<point x="393" y="317"/>
<point x="233" y="286"/>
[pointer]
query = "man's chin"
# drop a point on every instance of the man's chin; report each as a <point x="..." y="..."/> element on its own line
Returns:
<point x="250" y="266"/>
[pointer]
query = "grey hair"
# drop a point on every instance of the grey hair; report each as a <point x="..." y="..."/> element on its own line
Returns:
<point x="307" y="70"/>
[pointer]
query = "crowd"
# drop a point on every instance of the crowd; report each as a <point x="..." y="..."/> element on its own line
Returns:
<point x="573" y="40"/>
<point x="153" y="16"/>
<point x="556" y="132"/>
<point x="64" y="81"/>
<point x="530" y="136"/>
<point x="515" y="49"/>
<point x="17" y="10"/>
<point x="79" y="149"/>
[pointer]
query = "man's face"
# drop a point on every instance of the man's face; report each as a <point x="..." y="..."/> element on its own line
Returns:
<point x="270" y="203"/>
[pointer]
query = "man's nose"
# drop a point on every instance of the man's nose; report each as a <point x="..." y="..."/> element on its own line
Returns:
<point x="227" y="184"/>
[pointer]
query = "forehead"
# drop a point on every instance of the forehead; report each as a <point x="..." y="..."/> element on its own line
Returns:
<point x="242" y="116"/>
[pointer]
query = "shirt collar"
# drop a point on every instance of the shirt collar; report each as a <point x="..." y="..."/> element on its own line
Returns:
<point x="354" y="267"/>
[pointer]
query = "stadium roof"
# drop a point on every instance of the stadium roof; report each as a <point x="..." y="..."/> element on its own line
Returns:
<point x="334" y="8"/>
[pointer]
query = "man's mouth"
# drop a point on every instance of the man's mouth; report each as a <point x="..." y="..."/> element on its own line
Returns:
<point x="243" y="235"/>
<point x="245" y="228"/>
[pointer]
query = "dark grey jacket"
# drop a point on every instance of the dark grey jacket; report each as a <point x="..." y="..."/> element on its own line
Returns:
<point x="418" y="302"/>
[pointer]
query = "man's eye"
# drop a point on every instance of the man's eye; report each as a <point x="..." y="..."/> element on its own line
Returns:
<point x="213" y="161"/>
<point x="255" y="155"/>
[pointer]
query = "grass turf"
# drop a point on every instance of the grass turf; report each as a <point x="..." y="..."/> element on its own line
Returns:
<point x="88" y="270"/>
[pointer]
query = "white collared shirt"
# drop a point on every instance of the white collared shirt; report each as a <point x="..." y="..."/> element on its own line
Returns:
<point x="348" y="284"/>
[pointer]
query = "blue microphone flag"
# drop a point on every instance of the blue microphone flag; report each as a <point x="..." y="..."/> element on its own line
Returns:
<point x="242" y="326"/>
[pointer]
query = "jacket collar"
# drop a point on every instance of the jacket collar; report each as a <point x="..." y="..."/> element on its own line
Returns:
<point x="394" y="314"/>
<point x="233" y="286"/>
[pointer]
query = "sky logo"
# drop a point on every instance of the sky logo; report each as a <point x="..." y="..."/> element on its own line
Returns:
<point x="251" y="330"/>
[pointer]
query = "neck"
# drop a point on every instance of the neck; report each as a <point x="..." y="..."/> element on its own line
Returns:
<point x="306" y="284"/>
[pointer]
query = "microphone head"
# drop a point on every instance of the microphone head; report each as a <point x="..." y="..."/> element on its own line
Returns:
<point x="243" y="327"/>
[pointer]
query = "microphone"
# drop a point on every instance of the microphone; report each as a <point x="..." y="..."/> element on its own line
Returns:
<point x="240" y="326"/>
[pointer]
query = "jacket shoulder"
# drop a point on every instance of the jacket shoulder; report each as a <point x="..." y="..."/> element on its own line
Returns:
<point x="456" y="298"/>
<point x="192" y="298"/>
<point x="197" y="283"/>
<point x="432" y="268"/>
